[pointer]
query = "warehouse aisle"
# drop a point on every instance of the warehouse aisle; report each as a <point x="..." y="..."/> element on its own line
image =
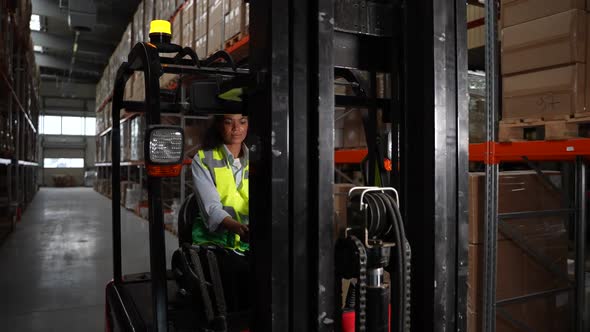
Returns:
<point x="54" y="267"/>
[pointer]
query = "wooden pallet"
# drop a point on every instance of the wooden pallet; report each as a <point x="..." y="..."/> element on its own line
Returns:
<point x="564" y="127"/>
<point x="230" y="42"/>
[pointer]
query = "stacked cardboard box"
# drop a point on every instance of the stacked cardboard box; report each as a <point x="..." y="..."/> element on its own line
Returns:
<point x="234" y="19"/>
<point x="188" y="25"/>
<point x="164" y="9"/>
<point x="544" y="46"/>
<point x="518" y="273"/>
<point x="137" y="128"/>
<point x="194" y="134"/>
<point x="201" y="25"/>
<point x="477" y="116"/>
<point x="167" y="79"/>
<point x="216" y="25"/>
<point x="340" y="191"/>
<point x="148" y="17"/>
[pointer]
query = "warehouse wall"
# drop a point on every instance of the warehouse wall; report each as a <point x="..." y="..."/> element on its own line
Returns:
<point x="67" y="147"/>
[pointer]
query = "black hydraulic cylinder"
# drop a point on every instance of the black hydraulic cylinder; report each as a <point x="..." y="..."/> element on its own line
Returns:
<point x="378" y="308"/>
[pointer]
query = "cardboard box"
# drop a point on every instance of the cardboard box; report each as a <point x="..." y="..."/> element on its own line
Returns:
<point x="519" y="11"/>
<point x="227" y="27"/>
<point x="517" y="191"/>
<point x="550" y="41"/>
<point x="148" y="17"/>
<point x="549" y="313"/>
<point x="188" y="24"/>
<point x="547" y="94"/>
<point x="177" y="30"/>
<point x="202" y="25"/>
<point x="509" y="280"/>
<point x="340" y="191"/>
<point x="193" y="138"/>
<point x="201" y="7"/>
<point x="137" y="133"/>
<point x="474" y="323"/>
<point x="160" y="10"/>
<point x="215" y="12"/>
<point x="138" y="87"/>
<point x="138" y="25"/>
<point x="227" y="6"/>
<point x="353" y="130"/>
<point x="201" y="47"/>
<point x="518" y="272"/>
<point x="476" y="207"/>
<point x="129" y="89"/>
<point x="215" y="38"/>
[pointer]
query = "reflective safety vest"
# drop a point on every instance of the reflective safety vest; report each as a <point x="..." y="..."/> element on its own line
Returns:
<point x="234" y="199"/>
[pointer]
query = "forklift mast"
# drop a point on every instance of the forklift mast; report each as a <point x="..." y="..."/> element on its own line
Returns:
<point x="296" y="49"/>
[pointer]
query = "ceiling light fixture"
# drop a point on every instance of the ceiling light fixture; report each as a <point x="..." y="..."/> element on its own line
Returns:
<point x="38" y="48"/>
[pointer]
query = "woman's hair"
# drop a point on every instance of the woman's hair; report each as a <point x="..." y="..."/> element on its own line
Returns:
<point x="213" y="136"/>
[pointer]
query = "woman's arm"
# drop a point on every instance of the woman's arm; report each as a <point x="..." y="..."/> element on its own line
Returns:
<point x="208" y="196"/>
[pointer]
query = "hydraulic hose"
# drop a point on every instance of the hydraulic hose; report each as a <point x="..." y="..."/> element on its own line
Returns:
<point x="385" y="221"/>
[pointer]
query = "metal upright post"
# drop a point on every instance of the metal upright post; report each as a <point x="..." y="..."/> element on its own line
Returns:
<point x="269" y="164"/>
<point x="292" y="165"/>
<point x="184" y="167"/>
<point x="434" y="182"/>
<point x="491" y="219"/>
<point x="580" y="267"/>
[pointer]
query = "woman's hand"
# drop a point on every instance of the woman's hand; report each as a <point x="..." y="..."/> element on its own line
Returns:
<point x="236" y="228"/>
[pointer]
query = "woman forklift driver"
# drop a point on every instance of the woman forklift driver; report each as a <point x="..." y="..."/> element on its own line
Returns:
<point x="220" y="175"/>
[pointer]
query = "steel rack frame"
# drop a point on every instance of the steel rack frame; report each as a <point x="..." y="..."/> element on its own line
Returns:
<point x="492" y="154"/>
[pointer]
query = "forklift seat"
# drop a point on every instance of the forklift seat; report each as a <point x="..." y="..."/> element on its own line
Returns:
<point x="189" y="211"/>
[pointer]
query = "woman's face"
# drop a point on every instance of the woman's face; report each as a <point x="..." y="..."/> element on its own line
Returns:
<point x="234" y="128"/>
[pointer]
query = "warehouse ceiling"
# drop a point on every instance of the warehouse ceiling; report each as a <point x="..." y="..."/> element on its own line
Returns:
<point x="74" y="44"/>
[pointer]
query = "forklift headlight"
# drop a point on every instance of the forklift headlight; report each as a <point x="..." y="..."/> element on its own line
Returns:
<point x="164" y="151"/>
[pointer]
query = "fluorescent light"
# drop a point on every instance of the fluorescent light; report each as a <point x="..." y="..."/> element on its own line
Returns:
<point x="35" y="23"/>
<point x="37" y="48"/>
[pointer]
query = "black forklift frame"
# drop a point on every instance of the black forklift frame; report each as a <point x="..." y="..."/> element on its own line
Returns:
<point x="294" y="46"/>
<point x="145" y="57"/>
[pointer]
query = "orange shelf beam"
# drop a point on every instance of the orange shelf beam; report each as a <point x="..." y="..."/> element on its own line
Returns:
<point x="349" y="156"/>
<point x="494" y="153"/>
<point x="502" y="152"/>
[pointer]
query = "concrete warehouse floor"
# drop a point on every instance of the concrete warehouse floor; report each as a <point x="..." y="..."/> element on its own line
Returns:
<point x="54" y="267"/>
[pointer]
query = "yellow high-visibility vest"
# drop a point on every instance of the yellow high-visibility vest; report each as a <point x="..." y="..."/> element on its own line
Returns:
<point x="233" y="198"/>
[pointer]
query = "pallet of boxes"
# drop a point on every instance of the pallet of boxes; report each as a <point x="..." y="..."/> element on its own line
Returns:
<point x="544" y="52"/>
<point x="531" y="254"/>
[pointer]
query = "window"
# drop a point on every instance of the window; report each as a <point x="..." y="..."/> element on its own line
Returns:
<point x="35" y="23"/>
<point x="63" y="162"/>
<point x="67" y="125"/>
<point x="52" y="125"/>
<point x="72" y="125"/>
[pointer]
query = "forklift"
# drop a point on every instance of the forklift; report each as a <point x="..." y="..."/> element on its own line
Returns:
<point x="190" y="296"/>
<point x="394" y="226"/>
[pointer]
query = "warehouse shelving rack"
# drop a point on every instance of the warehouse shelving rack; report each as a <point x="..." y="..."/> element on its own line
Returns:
<point x="19" y="82"/>
<point x="492" y="154"/>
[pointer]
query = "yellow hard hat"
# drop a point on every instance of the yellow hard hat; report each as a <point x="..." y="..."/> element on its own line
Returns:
<point x="160" y="26"/>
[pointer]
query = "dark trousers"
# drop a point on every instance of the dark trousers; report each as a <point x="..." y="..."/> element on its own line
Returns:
<point x="235" y="273"/>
